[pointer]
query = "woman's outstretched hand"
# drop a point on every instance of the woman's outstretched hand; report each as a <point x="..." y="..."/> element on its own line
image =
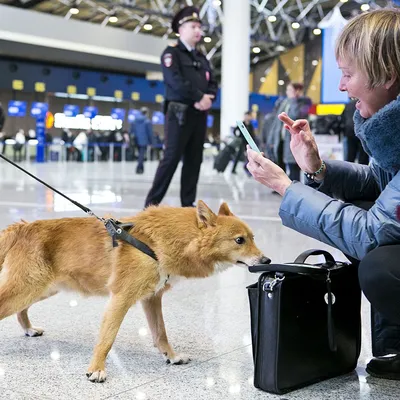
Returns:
<point x="266" y="172"/>
<point x="302" y="144"/>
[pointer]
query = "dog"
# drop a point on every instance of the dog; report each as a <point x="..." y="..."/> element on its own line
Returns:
<point x="41" y="258"/>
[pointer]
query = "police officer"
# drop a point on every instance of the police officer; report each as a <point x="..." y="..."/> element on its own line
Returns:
<point x="190" y="89"/>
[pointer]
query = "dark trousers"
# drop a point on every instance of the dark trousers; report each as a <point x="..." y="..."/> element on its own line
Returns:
<point x="379" y="275"/>
<point x="181" y="142"/>
<point x="352" y="149"/>
<point x="239" y="155"/>
<point x="294" y="171"/>
<point x="142" y="153"/>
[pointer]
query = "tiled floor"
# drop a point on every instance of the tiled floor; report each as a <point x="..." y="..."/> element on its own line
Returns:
<point x="208" y="319"/>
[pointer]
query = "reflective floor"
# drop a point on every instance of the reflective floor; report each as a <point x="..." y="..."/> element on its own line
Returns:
<point x="207" y="319"/>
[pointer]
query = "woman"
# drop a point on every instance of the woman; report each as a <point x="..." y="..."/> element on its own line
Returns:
<point x="296" y="106"/>
<point x="323" y="208"/>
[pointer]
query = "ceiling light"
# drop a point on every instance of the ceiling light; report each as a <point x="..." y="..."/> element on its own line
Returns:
<point x="314" y="62"/>
<point x="74" y="10"/>
<point x="281" y="82"/>
<point x="256" y="50"/>
<point x="296" y="59"/>
<point x="217" y="3"/>
<point x="280" y="48"/>
<point x="272" y="18"/>
<point x="365" y="7"/>
<point x="207" y="39"/>
<point x="344" y="1"/>
<point x="147" y="27"/>
<point x="262" y="79"/>
<point x="295" y="25"/>
<point x="317" y="31"/>
<point x="113" y="19"/>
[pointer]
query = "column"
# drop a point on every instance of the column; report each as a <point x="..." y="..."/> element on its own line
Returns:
<point x="235" y="63"/>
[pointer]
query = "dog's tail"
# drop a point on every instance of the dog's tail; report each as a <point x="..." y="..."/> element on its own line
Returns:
<point x="8" y="238"/>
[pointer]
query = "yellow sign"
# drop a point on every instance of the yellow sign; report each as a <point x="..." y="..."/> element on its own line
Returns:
<point x="18" y="85"/>
<point x="49" y="120"/>
<point x="254" y="107"/>
<point x="40" y="87"/>
<point x="119" y="94"/>
<point x="91" y="91"/>
<point x="71" y="89"/>
<point x="325" y="109"/>
<point x="135" y="96"/>
<point x="159" y="98"/>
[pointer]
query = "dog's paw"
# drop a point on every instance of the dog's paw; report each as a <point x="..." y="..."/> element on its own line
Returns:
<point x="96" y="376"/>
<point x="34" y="332"/>
<point x="179" y="359"/>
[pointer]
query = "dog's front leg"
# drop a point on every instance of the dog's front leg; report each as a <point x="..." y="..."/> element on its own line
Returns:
<point x="113" y="317"/>
<point x="153" y="309"/>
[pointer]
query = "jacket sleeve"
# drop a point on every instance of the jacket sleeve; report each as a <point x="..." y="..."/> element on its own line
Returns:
<point x="212" y="83"/>
<point x="299" y="108"/>
<point x="350" y="229"/>
<point x="349" y="181"/>
<point x="173" y="76"/>
<point x="149" y="129"/>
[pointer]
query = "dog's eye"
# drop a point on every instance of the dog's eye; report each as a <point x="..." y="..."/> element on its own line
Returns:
<point x="239" y="240"/>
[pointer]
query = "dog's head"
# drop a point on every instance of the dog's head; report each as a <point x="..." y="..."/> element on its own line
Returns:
<point x="227" y="239"/>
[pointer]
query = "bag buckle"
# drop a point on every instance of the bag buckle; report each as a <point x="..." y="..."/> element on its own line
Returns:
<point x="270" y="284"/>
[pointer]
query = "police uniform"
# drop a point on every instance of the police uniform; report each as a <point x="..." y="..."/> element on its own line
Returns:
<point x="187" y="76"/>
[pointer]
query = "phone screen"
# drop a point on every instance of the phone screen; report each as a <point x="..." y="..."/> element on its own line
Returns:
<point x="247" y="136"/>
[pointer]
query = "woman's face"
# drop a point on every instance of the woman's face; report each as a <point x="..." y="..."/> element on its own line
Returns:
<point x="355" y="83"/>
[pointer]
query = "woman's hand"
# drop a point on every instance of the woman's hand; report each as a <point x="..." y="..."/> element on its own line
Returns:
<point x="302" y="143"/>
<point x="266" y="172"/>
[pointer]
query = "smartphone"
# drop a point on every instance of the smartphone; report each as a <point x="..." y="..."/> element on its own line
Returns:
<point x="247" y="136"/>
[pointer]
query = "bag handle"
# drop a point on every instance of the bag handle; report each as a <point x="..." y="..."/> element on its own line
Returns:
<point x="315" y="252"/>
<point x="291" y="268"/>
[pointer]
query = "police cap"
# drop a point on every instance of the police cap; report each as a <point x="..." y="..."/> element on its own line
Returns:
<point x="186" y="14"/>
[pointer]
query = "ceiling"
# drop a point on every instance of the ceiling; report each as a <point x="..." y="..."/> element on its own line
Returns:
<point x="271" y="37"/>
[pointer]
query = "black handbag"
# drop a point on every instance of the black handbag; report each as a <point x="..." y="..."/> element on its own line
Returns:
<point x="305" y="322"/>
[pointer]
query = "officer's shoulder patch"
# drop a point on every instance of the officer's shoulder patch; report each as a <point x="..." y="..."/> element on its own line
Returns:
<point x="167" y="59"/>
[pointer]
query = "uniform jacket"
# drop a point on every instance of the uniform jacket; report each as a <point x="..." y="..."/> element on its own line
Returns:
<point x="187" y="75"/>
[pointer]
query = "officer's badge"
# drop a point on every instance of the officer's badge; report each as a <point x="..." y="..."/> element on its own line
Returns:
<point x="167" y="59"/>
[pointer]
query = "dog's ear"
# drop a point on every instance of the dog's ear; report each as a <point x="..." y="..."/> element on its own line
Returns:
<point x="205" y="216"/>
<point x="224" y="210"/>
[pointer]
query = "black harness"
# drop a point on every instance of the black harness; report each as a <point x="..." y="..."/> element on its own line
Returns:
<point x="117" y="230"/>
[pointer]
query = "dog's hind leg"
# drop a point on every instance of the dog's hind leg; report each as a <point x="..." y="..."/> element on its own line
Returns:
<point x="115" y="313"/>
<point x="153" y="309"/>
<point x="18" y="290"/>
<point x="25" y="323"/>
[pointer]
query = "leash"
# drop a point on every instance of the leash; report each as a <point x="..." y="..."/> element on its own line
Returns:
<point x="117" y="230"/>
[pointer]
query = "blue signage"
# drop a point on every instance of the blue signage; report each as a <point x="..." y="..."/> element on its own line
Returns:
<point x="210" y="121"/>
<point x="118" y="113"/>
<point x="90" y="112"/>
<point x="133" y="114"/>
<point x="158" y="118"/>
<point x="39" y="110"/>
<point x="71" y="110"/>
<point x="17" y="108"/>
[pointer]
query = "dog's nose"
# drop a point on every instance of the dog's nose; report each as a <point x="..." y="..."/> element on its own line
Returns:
<point x="265" y="260"/>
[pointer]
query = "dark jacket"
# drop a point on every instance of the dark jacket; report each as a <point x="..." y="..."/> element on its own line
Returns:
<point x="187" y="76"/>
<point x="142" y="129"/>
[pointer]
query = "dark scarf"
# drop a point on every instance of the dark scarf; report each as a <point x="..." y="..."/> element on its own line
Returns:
<point x="380" y="135"/>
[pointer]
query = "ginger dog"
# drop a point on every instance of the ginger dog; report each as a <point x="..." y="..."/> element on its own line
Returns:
<point x="41" y="258"/>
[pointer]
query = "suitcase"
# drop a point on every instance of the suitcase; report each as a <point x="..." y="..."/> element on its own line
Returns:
<point x="305" y="322"/>
<point x="223" y="157"/>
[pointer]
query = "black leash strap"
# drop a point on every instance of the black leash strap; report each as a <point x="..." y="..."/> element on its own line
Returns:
<point x="117" y="230"/>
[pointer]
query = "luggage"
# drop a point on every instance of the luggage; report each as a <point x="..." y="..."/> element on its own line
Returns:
<point x="226" y="154"/>
<point x="305" y="322"/>
<point x="223" y="157"/>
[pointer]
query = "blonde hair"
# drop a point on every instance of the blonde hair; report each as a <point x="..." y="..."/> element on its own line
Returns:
<point x="372" y="42"/>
